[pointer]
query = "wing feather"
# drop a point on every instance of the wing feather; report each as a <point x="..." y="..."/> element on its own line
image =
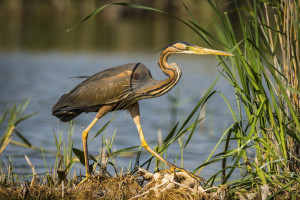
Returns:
<point x="111" y="86"/>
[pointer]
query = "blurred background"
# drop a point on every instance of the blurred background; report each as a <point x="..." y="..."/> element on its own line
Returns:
<point x="38" y="55"/>
<point x="41" y="25"/>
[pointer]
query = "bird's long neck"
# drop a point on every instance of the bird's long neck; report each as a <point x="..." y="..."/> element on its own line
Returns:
<point x="171" y="70"/>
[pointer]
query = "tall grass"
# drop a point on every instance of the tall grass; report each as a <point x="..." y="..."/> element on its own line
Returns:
<point x="267" y="120"/>
<point x="287" y="21"/>
<point x="265" y="77"/>
<point x="14" y="116"/>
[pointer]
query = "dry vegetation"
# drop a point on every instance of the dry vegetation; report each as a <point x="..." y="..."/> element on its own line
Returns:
<point x="143" y="185"/>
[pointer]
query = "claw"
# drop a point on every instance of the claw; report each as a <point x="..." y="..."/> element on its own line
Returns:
<point x="173" y="168"/>
<point x="87" y="177"/>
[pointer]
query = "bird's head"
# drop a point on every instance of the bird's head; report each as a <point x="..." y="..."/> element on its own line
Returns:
<point x="182" y="47"/>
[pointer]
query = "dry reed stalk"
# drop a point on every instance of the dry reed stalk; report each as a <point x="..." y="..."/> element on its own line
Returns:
<point x="289" y="42"/>
<point x="33" y="171"/>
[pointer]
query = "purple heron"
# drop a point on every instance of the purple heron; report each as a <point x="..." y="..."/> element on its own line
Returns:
<point x="120" y="88"/>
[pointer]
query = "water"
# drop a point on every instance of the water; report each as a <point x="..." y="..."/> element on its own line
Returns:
<point x="43" y="77"/>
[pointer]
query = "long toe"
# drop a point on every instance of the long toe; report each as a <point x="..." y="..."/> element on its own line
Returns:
<point x="88" y="177"/>
<point x="82" y="182"/>
<point x="173" y="168"/>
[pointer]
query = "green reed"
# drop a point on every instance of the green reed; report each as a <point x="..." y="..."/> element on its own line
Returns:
<point x="11" y="117"/>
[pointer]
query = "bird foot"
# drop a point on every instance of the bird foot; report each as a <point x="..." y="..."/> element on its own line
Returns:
<point x="174" y="168"/>
<point x="87" y="177"/>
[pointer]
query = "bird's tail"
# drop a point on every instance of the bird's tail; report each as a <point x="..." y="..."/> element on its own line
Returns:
<point x="65" y="114"/>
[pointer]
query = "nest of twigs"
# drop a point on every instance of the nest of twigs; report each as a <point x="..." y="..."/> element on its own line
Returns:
<point x="143" y="185"/>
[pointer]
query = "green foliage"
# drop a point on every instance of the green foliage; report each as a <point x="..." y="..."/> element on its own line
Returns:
<point x="64" y="159"/>
<point x="13" y="117"/>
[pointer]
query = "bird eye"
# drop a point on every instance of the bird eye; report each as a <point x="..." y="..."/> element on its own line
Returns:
<point x="187" y="48"/>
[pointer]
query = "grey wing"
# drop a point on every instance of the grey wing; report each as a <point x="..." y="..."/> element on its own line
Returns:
<point x="107" y="87"/>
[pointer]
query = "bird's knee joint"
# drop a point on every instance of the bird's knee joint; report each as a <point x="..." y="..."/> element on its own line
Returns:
<point x="145" y="144"/>
<point x="85" y="134"/>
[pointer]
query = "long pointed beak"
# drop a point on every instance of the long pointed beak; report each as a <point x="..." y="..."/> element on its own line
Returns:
<point x="201" y="50"/>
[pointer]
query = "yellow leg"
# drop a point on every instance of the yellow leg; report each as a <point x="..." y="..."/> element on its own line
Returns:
<point x="102" y="111"/>
<point x="135" y="113"/>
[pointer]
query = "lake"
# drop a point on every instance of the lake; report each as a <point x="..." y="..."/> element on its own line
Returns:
<point x="44" y="77"/>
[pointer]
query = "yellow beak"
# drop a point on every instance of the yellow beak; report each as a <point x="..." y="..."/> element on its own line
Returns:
<point x="203" y="51"/>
